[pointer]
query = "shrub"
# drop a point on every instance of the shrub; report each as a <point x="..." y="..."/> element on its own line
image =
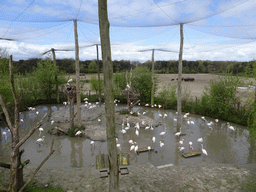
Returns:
<point x="167" y="96"/>
<point x="72" y="131"/>
<point x="95" y="84"/>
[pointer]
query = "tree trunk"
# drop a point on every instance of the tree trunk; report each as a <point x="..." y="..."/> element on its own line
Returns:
<point x="179" y="79"/>
<point x="98" y="64"/>
<point x="16" y="175"/>
<point x="153" y="81"/>
<point x="109" y="96"/>
<point x="78" y="92"/>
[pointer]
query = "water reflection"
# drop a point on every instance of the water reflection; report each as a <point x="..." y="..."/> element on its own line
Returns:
<point x="222" y="144"/>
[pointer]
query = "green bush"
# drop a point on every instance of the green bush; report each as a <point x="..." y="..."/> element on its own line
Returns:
<point x="167" y="97"/>
<point x="92" y="68"/>
<point x="95" y="84"/>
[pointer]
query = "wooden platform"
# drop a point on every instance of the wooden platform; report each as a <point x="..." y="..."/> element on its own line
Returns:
<point x="102" y="160"/>
<point x="145" y="149"/>
<point x="191" y="154"/>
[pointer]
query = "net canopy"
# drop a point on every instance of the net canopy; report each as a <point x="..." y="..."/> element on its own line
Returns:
<point x="135" y="25"/>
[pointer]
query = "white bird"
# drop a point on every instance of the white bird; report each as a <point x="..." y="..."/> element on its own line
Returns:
<point x="99" y="119"/>
<point x="177" y="134"/>
<point x="78" y="133"/>
<point x="174" y="119"/>
<point x="200" y="140"/>
<point x="132" y="147"/>
<point x="149" y="148"/>
<point x="5" y="135"/>
<point x="126" y="128"/>
<point x="165" y="115"/>
<point x="137" y="132"/>
<point x="190" y="145"/>
<point x="162" y="133"/>
<point x="123" y="131"/>
<point x="181" y="149"/>
<point x="118" y="146"/>
<point x="147" y="105"/>
<point x="203" y="117"/>
<point x="161" y="144"/>
<point x="136" y="148"/>
<point x="181" y="141"/>
<point x="160" y="115"/>
<point x="40" y="129"/>
<point x="130" y="141"/>
<point x="231" y="127"/>
<point x="153" y="139"/>
<point x="159" y="106"/>
<point x="151" y="127"/>
<point x="21" y="120"/>
<point x="147" y="127"/>
<point x="192" y="122"/>
<point x="144" y="113"/>
<point x="92" y="145"/>
<point x="216" y="120"/>
<point x="40" y="140"/>
<point x="52" y="122"/>
<point x="85" y="99"/>
<point x="203" y="150"/>
<point x="37" y="112"/>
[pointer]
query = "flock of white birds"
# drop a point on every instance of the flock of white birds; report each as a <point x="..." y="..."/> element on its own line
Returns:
<point x="126" y="126"/>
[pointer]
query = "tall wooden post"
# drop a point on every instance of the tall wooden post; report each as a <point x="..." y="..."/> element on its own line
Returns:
<point x="153" y="81"/>
<point x="98" y="64"/>
<point x="179" y="79"/>
<point x="109" y="96"/>
<point x="57" y="86"/>
<point x="78" y="92"/>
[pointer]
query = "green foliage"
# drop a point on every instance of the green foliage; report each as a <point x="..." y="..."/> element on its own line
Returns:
<point x="167" y="96"/>
<point x="221" y="98"/>
<point x="251" y="121"/>
<point x="124" y="112"/>
<point x="142" y="83"/>
<point x="92" y="68"/>
<point x="95" y="83"/>
<point x="45" y="81"/>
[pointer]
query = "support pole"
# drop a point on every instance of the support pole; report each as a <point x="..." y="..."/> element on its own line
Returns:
<point x="57" y="86"/>
<point x="98" y="64"/>
<point x="153" y="81"/>
<point x="179" y="80"/>
<point x="78" y="92"/>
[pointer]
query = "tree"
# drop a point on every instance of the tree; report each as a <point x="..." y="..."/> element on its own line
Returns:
<point x="92" y="68"/>
<point x="109" y="95"/>
<point x="16" y="182"/>
<point x="45" y="78"/>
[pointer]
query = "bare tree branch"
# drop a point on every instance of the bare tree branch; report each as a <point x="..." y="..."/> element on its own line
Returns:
<point x="7" y="116"/>
<point x="23" y="140"/>
<point x="5" y="165"/>
<point x="37" y="169"/>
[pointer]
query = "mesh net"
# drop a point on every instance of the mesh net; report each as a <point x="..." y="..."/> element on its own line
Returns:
<point x="208" y="25"/>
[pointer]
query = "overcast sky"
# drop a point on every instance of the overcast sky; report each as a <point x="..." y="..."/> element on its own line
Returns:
<point x="213" y="29"/>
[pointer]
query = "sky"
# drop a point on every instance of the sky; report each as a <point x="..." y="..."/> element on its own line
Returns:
<point x="213" y="29"/>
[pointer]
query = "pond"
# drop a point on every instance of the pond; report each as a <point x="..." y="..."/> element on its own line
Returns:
<point x="223" y="144"/>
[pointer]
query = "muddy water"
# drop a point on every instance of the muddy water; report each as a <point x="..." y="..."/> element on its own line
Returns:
<point x="223" y="145"/>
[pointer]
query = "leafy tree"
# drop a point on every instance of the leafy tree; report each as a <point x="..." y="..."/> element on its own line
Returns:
<point x="45" y="78"/>
<point x="95" y="83"/>
<point x="93" y="67"/>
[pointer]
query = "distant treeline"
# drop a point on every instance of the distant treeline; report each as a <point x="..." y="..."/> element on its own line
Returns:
<point x="89" y="66"/>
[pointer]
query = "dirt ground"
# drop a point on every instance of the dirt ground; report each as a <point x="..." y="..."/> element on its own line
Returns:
<point x="193" y="89"/>
<point x="199" y="178"/>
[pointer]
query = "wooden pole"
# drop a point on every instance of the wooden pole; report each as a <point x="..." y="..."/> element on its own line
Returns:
<point x="78" y="95"/>
<point x="153" y="82"/>
<point x="109" y="96"/>
<point x="98" y="64"/>
<point x="56" y="78"/>
<point x="179" y="80"/>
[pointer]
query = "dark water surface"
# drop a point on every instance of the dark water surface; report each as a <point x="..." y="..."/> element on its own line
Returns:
<point x="223" y="145"/>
